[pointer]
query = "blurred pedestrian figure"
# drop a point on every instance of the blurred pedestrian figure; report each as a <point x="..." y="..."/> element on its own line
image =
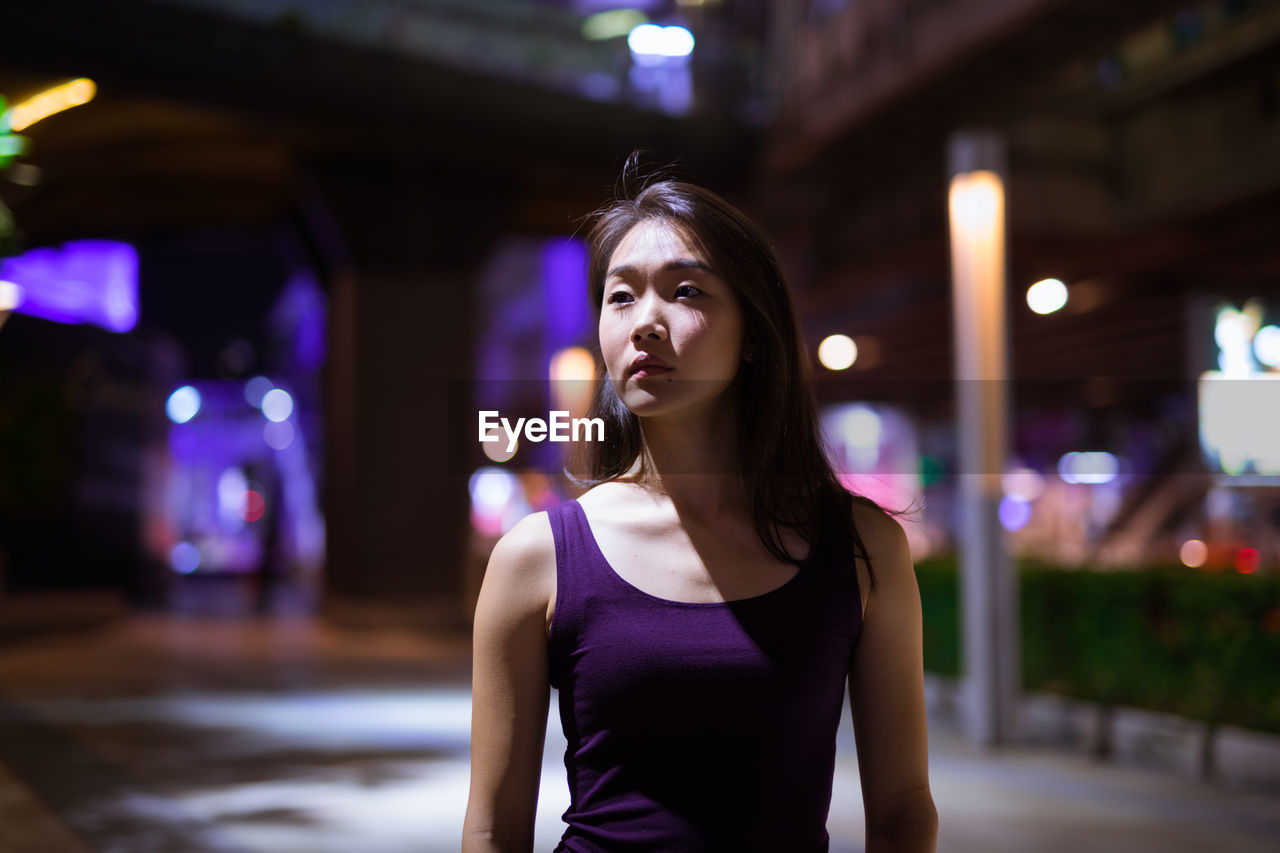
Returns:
<point x="268" y="575"/>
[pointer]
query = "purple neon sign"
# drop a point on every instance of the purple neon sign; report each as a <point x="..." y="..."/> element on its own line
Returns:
<point x="86" y="281"/>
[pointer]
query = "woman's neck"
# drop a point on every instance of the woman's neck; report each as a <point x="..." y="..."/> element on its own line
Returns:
<point x="691" y="460"/>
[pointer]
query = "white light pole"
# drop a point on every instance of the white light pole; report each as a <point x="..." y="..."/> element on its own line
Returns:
<point x="976" y="207"/>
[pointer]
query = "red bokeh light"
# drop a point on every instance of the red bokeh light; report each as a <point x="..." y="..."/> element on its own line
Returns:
<point x="254" y="505"/>
<point x="1247" y="561"/>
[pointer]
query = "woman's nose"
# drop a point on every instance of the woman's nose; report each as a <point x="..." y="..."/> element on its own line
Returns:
<point x="649" y="321"/>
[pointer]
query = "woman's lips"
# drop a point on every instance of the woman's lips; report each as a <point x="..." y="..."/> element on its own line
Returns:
<point x="649" y="370"/>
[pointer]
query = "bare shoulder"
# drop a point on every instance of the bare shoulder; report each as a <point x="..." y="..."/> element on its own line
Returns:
<point x="881" y="533"/>
<point x="887" y="547"/>
<point x="522" y="567"/>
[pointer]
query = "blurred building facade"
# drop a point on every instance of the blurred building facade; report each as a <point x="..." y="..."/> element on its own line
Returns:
<point x="426" y="166"/>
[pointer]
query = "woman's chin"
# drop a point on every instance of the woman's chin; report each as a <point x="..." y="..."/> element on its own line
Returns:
<point x="653" y="406"/>
<point x="644" y="405"/>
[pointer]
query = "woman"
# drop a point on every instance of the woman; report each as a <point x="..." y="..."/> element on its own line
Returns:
<point x="701" y="606"/>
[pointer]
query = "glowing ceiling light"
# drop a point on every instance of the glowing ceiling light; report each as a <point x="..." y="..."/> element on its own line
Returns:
<point x="1047" y="296"/>
<point x="837" y="352"/>
<point x="51" y="101"/>
<point x="183" y="404"/>
<point x="653" y="40"/>
<point x="614" y="23"/>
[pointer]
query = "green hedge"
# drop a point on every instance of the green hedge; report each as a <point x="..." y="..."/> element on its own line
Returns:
<point x="1203" y="645"/>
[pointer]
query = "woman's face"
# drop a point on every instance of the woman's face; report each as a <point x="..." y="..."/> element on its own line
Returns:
<point x="663" y="300"/>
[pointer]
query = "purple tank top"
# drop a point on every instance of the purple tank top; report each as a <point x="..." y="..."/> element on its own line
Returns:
<point x="699" y="726"/>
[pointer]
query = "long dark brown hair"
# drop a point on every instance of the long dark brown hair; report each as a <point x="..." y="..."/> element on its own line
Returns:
<point x="781" y="454"/>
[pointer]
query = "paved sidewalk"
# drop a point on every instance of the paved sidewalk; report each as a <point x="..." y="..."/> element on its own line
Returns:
<point x="171" y="734"/>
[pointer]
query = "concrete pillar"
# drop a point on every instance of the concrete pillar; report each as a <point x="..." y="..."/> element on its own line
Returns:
<point x="989" y="615"/>
<point x="396" y="512"/>
<point x="401" y="339"/>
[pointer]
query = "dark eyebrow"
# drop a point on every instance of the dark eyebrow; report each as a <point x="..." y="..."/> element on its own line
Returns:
<point x="682" y="264"/>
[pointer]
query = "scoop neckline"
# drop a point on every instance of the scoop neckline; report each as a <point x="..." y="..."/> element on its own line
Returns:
<point x="595" y="546"/>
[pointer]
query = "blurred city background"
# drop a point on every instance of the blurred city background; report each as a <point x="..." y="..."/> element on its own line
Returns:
<point x="262" y="263"/>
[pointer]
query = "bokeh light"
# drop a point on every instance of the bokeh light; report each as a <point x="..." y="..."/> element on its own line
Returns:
<point x="498" y="450"/>
<point x="1091" y="468"/>
<point x="277" y="405"/>
<point x="184" y="558"/>
<point x="976" y="200"/>
<point x="1014" y="512"/>
<point x="651" y="40"/>
<point x="254" y="505"/>
<point x="861" y="428"/>
<point x="1266" y="346"/>
<point x="491" y="489"/>
<point x="931" y="469"/>
<point x="613" y="23"/>
<point x="1193" y="553"/>
<point x="10" y="295"/>
<point x="495" y="492"/>
<point x="1047" y="296"/>
<point x="572" y="372"/>
<point x="1025" y="483"/>
<point x="278" y="436"/>
<point x="837" y="352"/>
<point x="1247" y="560"/>
<point x="82" y="281"/>
<point x="183" y="404"/>
<point x="51" y="101"/>
<point x="255" y="389"/>
<point x="572" y="363"/>
<point x="232" y="485"/>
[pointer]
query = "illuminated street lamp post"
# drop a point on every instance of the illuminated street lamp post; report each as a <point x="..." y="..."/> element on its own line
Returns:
<point x="976" y="208"/>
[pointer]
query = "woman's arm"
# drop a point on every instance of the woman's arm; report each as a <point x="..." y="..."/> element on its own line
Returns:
<point x="510" y="689"/>
<point x="886" y="693"/>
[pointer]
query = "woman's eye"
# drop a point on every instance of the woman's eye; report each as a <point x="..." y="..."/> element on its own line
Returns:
<point x="617" y="296"/>
<point x="695" y="290"/>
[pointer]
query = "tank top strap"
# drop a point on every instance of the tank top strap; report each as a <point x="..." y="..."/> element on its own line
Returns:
<point x="577" y="555"/>
<point x="578" y="572"/>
